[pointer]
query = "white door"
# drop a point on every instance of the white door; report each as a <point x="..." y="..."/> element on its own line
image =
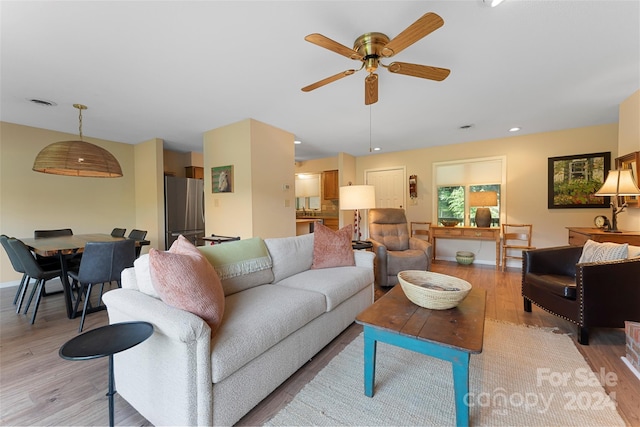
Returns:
<point x="390" y="186"/>
<point x="390" y="191"/>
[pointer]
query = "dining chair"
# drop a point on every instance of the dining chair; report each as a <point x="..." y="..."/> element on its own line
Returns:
<point x="17" y="266"/>
<point x="138" y="235"/>
<point x="102" y="263"/>
<point x="53" y="233"/>
<point x="33" y="271"/>
<point x="515" y="237"/>
<point x="118" y="232"/>
<point x="72" y="260"/>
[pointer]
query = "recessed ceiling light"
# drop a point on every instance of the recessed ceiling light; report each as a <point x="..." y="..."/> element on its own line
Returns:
<point x="297" y="142"/>
<point x="515" y="129"/>
<point x="377" y="149"/>
<point x="43" y="102"/>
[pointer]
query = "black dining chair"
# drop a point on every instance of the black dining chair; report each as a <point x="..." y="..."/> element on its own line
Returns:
<point x="118" y="232"/>
<point x="53" y="233"/>
<point x="102" y="263"/>
<point x="71" y="260"/>
<point x="17" y="266"/>
<point x="138" y="235"/>
<point x="34" y="271"/>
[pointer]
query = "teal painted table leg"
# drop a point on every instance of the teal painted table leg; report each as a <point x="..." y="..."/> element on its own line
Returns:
<point x="459" y="360"/>
<point x="369" y="365"/>
<point x="461" y="387"/>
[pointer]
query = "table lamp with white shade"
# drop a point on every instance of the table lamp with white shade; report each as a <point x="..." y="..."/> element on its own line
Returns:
<point x="618" y="183"/>
<point x="357" y="197"/>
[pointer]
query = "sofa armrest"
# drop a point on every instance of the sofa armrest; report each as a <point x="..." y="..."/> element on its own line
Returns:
<point x="598" y="281"/>
<point x="560" y="260"/>
<point x="364" y="259"/>
<point x="167" y="378"/>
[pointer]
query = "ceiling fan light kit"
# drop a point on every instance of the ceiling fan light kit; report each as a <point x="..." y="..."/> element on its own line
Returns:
<point x="369" y="48"/>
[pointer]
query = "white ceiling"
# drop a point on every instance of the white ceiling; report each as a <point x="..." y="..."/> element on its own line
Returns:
<point x="176" y="69"/>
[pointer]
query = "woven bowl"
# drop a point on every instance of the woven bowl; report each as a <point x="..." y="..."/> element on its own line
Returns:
<point x="433" y="290"/>
<point x="464" y="257"/>
<point x="449" y="222"/>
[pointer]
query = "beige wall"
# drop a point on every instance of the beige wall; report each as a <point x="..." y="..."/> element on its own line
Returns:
<point x="149" y="203"/>
<point x="628" y="142"/>
<point x="526" y="192"/>
<point x="31" y="200"/>
<point x="263" y="165"/>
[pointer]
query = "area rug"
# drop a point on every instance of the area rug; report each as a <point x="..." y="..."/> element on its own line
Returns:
<point x="525" y="376"/>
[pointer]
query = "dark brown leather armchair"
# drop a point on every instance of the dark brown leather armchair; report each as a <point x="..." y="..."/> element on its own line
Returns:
<point x="395" y="250"/>
<point x="596" y="294"/>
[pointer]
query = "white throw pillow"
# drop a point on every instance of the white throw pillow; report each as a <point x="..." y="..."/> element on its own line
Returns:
<point x="634" y="251"/>
<point x="606" y="251"/>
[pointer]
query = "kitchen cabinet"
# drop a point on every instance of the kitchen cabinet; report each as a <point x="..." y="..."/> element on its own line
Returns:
<point x="331" y="223"/>
<point x="330" y="185"/>
<point x="194" y="172"/>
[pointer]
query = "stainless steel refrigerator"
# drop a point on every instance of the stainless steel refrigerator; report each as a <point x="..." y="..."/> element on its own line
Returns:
<point x="183" y="209"/>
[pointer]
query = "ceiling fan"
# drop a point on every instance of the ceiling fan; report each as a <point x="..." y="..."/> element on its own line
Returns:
<point x="369" y="48"/>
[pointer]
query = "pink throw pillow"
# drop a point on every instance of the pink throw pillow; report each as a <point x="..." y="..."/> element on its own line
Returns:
<point x="332" y="248"/>
<point x="184" y="279"/>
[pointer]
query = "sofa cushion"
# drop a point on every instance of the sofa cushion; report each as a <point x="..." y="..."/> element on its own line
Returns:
<point x="634" y="251"/>
<point x="336" y="284"/>
<point x="185" y="279"/>
<point x="606" y="251"/>
<point x="332" y="248"/>
<point x="563" y="286"/>
<point x="255" y="320"/>
<point x="290" y="255"/>
<point x="241" y="264"/>
<point x="411" y="259"/>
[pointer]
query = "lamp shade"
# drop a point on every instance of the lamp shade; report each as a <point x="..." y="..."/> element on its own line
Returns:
<point x="619" y="183"/>
<point x="483" y="198"/>
<point x="357" y="197"/>
<point x="77" y="158"/>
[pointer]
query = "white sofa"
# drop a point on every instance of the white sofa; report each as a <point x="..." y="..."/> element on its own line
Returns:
<point x="275" y="320"/>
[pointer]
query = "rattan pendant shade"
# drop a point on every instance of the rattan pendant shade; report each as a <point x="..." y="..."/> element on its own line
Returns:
<point x="77" y="158"/>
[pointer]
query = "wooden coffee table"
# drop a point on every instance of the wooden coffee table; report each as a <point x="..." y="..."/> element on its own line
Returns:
<point x="450" y="335"/>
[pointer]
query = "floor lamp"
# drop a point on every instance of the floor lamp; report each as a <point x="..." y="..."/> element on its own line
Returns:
<point x="618" y="183"/>
<point x="357" y="197"/>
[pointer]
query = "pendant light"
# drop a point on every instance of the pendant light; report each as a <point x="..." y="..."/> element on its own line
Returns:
<point x="77" y="158"/>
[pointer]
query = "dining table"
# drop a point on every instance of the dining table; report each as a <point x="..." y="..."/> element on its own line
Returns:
<point x="65" y="246"/>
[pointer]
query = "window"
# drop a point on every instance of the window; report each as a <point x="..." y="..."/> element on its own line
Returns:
<point x="455" y="181"/>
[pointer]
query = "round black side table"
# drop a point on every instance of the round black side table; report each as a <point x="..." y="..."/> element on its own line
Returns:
<point x="106" y="341"/>
<point x="360" y="244"/>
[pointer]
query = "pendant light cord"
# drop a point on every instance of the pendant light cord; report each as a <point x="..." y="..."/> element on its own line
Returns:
<point x="80" y="122"/>
<point x="370" y="149"/>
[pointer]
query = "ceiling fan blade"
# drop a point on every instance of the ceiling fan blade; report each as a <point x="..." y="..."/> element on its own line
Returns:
<point x="425" y="25"/>
<point x="422" y="71"/>
<point x="328" y="80"/>
<point x="371" y="89"/>
<point x="327" y="43"/>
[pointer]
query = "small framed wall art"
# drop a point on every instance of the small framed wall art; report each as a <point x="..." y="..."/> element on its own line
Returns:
<point x="573" y="180"/>
<point x="222" y="179"/>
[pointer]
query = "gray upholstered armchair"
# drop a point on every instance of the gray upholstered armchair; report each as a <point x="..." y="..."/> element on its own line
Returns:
<point x="395" y="250"/>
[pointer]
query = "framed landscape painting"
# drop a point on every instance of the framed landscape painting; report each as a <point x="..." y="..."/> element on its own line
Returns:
<point x="573" y="180"/>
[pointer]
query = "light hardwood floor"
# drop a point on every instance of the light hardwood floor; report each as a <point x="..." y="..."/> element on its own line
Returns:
<point x="37" y="387"/>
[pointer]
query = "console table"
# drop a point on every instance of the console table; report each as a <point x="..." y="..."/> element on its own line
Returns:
<point x="467" y="233"/>
<point x="579" y="235"/>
